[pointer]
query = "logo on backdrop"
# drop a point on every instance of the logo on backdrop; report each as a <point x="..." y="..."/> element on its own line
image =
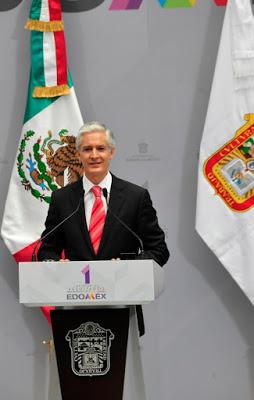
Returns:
<point x="90" y="349"/>
<point x="80" y="5"/>
<point x="86" y="291"/>
<point x="230" y="170"/>
<point x="9" y="4"/>
<point x="46" y="164"/>
<point x="86" y="5"/>
<point x="143" y="154"/>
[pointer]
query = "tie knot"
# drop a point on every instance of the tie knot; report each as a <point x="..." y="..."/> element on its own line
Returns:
<point x="96" y="191"/>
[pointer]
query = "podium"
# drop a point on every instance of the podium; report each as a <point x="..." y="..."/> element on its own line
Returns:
<point x="94" y="325"/>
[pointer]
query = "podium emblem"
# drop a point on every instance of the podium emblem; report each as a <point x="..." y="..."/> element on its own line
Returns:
<point x="90" y="349"/>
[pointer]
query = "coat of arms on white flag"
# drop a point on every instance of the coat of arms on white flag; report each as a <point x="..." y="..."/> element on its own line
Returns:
<point x="46" y="158"/>
<point x="225" y="200"/>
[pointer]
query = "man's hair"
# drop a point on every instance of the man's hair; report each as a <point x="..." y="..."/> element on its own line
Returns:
<point x="95" y="126"/>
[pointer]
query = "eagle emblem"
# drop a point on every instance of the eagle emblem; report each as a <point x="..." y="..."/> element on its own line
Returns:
<point x="48" y="163"/>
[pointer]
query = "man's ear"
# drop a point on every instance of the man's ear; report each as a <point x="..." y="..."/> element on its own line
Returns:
<point x="113" y="152"/>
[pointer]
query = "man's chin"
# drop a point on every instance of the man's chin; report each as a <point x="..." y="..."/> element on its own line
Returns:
<point x="96" y="175"/>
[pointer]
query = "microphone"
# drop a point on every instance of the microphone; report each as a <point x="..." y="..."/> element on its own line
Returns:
<point x="139" y="312"/>
<point x="34" y="254"/>
<point x="105" y="194"/>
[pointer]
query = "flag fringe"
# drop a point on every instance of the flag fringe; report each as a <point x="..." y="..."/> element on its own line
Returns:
<point x="52" y="91"/>
<point x="44" y="26"/>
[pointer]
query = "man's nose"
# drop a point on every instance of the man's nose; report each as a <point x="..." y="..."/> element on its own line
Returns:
<point x="94" y="153"/>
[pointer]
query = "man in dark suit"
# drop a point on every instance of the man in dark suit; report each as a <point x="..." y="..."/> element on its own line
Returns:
<point x="131" y="203"/>
<point x="94" y="232"/>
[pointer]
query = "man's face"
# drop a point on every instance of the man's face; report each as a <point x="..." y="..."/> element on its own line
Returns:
<point x="95" y="155"/>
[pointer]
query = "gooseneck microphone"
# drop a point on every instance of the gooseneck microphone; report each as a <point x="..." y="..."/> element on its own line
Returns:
<point x="105" y="194"/>
<point x="34" y="254"/>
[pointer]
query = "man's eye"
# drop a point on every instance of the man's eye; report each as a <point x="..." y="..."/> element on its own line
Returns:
<point x="101" y="148"/>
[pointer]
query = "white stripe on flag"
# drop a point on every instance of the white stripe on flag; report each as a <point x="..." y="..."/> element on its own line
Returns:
<point x="44" y="10"/>
<point x="49" y="57"/>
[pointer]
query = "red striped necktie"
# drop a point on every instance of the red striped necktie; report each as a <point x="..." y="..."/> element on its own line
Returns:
<point x="97" y="219"/>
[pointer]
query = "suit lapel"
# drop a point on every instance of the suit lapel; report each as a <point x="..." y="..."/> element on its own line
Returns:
<point x="80" y="219"/>
<point x="116" y="201"/>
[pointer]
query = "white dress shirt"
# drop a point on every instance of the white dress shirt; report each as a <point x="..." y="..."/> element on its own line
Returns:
<point x="89" y="197"/>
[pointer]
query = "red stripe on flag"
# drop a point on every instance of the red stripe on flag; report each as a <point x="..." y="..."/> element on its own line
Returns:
<point x="46" y="311"/>
<point x="25" y="255"/>
<point x="55" y="10"/>
<point x="221" y="2"/>
<point x="61" y="58"/>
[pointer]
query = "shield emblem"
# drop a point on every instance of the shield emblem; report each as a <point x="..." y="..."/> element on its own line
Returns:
<point x="90" y="349"/>
<point x="230" y="170"/>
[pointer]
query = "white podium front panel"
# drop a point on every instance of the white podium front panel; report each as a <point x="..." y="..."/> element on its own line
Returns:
<point x="93" y="283"/>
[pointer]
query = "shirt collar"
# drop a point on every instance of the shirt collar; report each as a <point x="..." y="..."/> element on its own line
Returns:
<point x="105" y="183"/>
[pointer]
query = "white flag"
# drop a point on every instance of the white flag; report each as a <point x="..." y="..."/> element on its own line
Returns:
<point x="225" y="200"/>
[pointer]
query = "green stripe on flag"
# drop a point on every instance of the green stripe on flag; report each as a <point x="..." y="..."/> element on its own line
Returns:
<point x="37" y="61"/>
<point x="35" y="11"/>
<point x="36" y="105"/>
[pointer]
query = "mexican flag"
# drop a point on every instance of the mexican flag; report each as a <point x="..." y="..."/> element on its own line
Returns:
<point x="225" y="201"/>
<point x="46" y="157"/>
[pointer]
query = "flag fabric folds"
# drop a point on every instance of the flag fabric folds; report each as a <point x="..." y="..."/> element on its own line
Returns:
<point x="46" y="158"/>
<point x="225" y="198"/>
<point x="49" y="51"/>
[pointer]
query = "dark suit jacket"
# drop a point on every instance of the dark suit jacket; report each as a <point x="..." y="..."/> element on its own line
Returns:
<point x="129" y="202"/>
